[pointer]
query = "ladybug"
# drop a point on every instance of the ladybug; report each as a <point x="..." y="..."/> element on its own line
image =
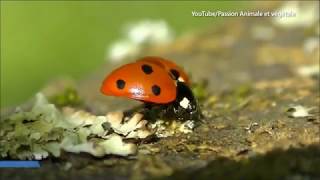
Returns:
<point x="157" y="82"/>
<point x="173" y="69"/>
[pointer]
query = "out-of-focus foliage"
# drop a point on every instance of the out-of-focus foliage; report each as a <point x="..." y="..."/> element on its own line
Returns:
<point x="200" y="90"/>
<point x="42" y="40"/>
<point x="69" y="97"/>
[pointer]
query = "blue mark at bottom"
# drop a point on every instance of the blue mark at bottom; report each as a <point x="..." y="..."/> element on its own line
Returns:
<point x="19" y="164"/>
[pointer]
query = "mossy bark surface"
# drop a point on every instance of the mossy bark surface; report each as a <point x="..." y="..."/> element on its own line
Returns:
<point x="246" y="132"/>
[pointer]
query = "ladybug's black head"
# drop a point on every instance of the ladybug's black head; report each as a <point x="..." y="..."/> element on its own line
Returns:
<point x="185" y="105"/>
<point x="184" y="108"/>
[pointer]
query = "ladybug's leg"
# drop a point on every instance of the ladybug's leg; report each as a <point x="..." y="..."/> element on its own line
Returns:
<point x="148" y="105"/>
<point x="152" y="111"/>
<point x="184" y="108"/>
<point x="149" y="110"/>
<point x="135" y="109"/>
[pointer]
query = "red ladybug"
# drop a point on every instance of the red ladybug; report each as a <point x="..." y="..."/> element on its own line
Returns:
<point x="173" y="69"/>
<point x="148" y="79"/>
<point x="153" y="80"/>
<point x="140" y="80"/>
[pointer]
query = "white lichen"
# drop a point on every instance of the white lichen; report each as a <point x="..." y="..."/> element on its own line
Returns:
<point x="187" y="127"/>
<point x="112" y="144"/>
<point x="148" y="31"/>
<point x="122" y="49"/>
<point x="309" y="70"/>
<point x="299" y="111"/>
<point x="311" y="45"/>
<point x="250" y="127"/>
<point x="47" y="131"/>
<point x="164" y="129"/>
<point x="138" y="35"/>
<point x="51" y="130"/>
<point x="134" y="127"/>
<point x="161" y="129"/>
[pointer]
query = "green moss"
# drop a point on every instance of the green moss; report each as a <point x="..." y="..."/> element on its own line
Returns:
<point x="200" y="90"/>
<point x="68" y="97"/>
<point x="242" y="91"/>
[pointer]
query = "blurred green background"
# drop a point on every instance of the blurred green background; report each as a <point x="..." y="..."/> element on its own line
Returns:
<point x="42" y="40"/>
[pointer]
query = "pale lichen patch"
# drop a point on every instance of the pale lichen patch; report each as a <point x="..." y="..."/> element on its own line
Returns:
<point x="45" y="131"/>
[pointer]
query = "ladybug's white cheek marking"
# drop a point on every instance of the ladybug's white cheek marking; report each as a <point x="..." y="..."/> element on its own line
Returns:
<point x="181" y="79"/>
<point x="184" y="103"/>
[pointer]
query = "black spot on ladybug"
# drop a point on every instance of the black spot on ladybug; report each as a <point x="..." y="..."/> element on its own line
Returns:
<point x="147" y="69"/>
<point x="175" y="73"/>
<point x="172" y="76"/>
<point x="121" y="84"/>
<point x="156" y="90"/>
